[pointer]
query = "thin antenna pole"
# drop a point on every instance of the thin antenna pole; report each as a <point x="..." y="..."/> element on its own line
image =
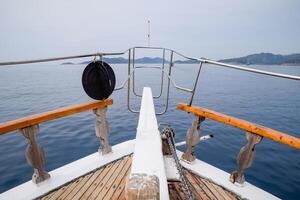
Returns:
<point x="148" y="33"/>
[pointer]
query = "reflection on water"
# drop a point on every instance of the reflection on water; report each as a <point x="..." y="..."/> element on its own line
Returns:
<point x="269" y="101"/>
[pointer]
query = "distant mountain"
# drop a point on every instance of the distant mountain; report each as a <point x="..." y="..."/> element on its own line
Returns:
<point x="118" y="60"/>
<point x="121" y="60"/>
<point x="186" y="61"/>
<point x="149" y="60"/>
<point x="144" y="60"/>
<point x="67" y="63"/>
<point x="260" y="59"/>
<point x="266" y="59"/>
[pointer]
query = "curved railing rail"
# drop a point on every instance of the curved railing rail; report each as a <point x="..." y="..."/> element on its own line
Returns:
<point x="203" y="60"/>
<point x="254" y="134"/>
<point x="29" y="128"/>
<point x="130" y="79"/>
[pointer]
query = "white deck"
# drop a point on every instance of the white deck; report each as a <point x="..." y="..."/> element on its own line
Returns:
<point x="148" y="157"/>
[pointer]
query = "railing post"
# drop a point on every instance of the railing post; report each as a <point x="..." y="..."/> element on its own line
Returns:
<point x="245" y="158"/>
<point x="102" y="130"/>
<point x="35" y="154"/>
<point x="192" y="138"/>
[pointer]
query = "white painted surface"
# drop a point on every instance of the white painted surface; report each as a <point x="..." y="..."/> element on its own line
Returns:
<point x="221" y="177"/>
<point x="202" y="138"/>
<point x="148" y="157"/>
<point x="171" y="169"/>
<point x="68" y="172"/>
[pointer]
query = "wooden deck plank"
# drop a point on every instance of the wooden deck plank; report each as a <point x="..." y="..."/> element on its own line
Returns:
<point x="70" y="188"/>
<point x="205" y="188"/>
<point x="197" y="188"/>
<point x="219" y="191"/>
<point x="103" y="191"/>
<point x="48" y="196"/>
<point x="120" y="192"/>
<point x="210" y="186"/>
<point x="180" y="192"/>
<point x="93" y="186"/>
<point x="104" y="180"/>
<point x="108" y="182"/>
<point x="80" y="184"/>
<point x="55" y="194"/>
<point x="58" y="192"/>
<point x="173" y="192"/>
<point x="226" y="194"/>
<point x="87" y="185"/>
<point x="204" y="191"/>
<point x="119" y="178"/>
<point x="122" y="195"/>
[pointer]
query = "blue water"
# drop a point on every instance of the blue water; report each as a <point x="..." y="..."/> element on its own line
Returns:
<point x="269" y="101"/>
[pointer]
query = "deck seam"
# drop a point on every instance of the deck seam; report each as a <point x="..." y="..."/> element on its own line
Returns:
<point x="122" y="184"/>
<point x="111" y="178"/>
<point x="69" y="182"/>
<point x="124" y="169"/>
<point x="115" y="166"/>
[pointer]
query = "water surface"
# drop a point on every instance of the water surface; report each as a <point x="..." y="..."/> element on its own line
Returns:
<point x="269" y="101"/>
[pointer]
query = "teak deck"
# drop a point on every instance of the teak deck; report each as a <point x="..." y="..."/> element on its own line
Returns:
<point x="108" y="182"/>
<point x="202" y="189"/>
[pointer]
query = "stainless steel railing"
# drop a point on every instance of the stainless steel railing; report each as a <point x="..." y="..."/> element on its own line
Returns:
<point x="162" y="67"/>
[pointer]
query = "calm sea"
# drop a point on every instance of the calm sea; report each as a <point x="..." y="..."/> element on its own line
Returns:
<point x="269" y="101"/>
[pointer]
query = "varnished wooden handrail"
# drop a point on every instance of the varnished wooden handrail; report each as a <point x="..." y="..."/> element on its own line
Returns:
<point x="243" y="124"/>
<point x="50" y="115"/>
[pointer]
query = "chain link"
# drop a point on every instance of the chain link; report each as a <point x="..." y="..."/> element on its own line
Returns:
<point x="169" y="133"/>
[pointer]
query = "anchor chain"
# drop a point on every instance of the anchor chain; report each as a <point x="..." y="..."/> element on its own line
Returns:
<point x="169" y="133"/>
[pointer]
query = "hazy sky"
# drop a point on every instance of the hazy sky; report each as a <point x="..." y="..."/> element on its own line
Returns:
<point x="213" y="28"/>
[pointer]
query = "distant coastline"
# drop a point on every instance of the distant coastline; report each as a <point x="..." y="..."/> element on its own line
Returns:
<point x="68" y="63"/>
<point x="253" y="59"/>
<point x="144" y="60"/>
<point x="266" y="59"/>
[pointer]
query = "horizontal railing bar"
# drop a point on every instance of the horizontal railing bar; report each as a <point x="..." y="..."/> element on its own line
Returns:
<point x="243" y="124"/>
<point x="59" y="58"/>
<point x="142" y="66"/>
<point x="51" y="115"/>
<point x="287" y="76"/>
<point x="230" y="65"/>
<point x="145" y="47"/>
<point x="204" y="60"/>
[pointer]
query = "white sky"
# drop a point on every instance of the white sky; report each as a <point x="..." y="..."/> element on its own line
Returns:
<point x="213" y="28"/>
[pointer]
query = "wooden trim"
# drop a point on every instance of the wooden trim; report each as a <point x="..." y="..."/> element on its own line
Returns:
<point x="50" y="115"/>
<point x="244" y="125"/>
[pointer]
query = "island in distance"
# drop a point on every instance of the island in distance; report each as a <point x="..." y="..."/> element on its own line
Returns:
<point x="266" y="59"/>
<point x="253" y="59"/>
